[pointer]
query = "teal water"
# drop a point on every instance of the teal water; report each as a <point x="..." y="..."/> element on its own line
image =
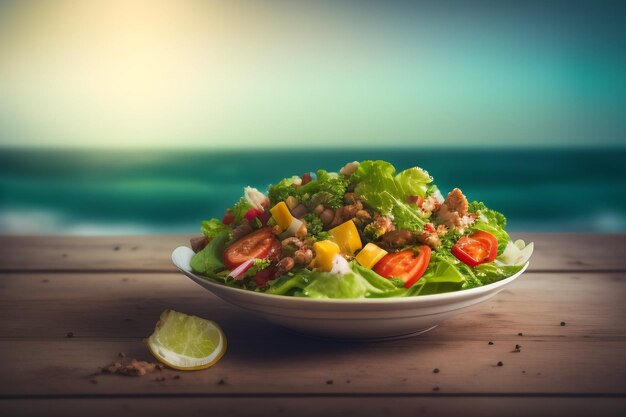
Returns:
<point x="124" y="192"/>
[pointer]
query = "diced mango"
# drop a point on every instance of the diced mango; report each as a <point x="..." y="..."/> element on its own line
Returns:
<point x="370" y="255"/>
<point x="282" y="215"/>
<point x="325" y="251"/>
<point x="347" y="237"/>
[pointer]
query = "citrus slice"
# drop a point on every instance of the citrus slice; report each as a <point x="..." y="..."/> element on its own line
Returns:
<point x="186" y="342"/>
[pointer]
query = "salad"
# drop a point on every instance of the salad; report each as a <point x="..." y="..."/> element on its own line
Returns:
<point x="364" y="232"/>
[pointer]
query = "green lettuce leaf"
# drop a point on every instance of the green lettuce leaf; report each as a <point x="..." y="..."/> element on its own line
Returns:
<point x="240" y="209"/>
<point x="314" y="284"/>
<point x="327" y="188"/>
<point x="441" y="276"/>
<point x="281" y="190"/>
<point x="413" y="181"/>
<point x="379" y="283"/>
<point x="213" y="227"/>
<point x="378" y="185"/>
<point x="290" y="284"/>
<point x="490" y="273"/>
<point x="209" y="260"/>
<point x="491" y="221"/>
<point x="327" y="285"/>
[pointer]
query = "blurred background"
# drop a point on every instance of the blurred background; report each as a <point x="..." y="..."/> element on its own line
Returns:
<point x="130" y="116"/>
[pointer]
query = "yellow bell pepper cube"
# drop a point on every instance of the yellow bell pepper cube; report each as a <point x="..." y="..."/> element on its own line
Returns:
<point x="370" y="255"/>
<point x="325" y="251"/>
<point x="282" y="215"/>
<point x="347" y="237"/>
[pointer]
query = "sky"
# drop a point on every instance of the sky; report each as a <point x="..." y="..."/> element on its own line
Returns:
<point x="245" y="74"/>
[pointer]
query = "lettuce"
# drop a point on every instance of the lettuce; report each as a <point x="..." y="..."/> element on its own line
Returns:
<point x="213" y="227"/>
<point x="378" y="185"/>
<point x="209" y="259"/>
<point x="240" y="209"/>
<point x="490" y="273"/>
<point x="326" y="188"/>
<point x="327" y="285"/>
<point x="491" y="221"/>
<point x="492" y="217"/>
<point x="381" y="284"/>
<point x="441" y="276"/>
<point x="257" y="265"/>
<point x="281" y="190"/>
<point x="413" y="181"/>
<point x="361" y="283"/>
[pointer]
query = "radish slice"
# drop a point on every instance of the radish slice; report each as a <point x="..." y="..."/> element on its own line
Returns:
<point x="516" y="253"/>
<point x="293" y="228"/>
<point x="239" y="272"/>
<point x="255" y="198"/>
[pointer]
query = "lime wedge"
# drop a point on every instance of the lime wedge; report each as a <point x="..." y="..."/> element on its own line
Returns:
<point x="186" y="342"/>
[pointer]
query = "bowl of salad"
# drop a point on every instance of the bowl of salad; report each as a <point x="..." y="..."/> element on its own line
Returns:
<point x="366" y="253"/>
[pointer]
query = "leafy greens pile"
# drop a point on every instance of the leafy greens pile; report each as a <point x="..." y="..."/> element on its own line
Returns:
<point x="386" y="193"/>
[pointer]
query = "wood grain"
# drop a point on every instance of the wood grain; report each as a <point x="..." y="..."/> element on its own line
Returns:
<point x="554" y="252"/>
<point x="111" y="313"/>
<point x="127" y="305"/>
<point x="274" y="367"/>
<point x="318" y="406"/>
<point x="108" y="292"/>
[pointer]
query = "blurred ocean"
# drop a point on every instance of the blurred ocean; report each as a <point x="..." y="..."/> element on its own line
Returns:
<point x="93" y="192"/>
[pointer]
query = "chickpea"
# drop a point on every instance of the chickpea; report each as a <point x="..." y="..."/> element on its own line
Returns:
<point x="327" y="216"/>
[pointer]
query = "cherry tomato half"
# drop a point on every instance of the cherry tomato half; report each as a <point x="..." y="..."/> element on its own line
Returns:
<point x="418" y="200"/>
<point x="260" y="244"/>
<point x="491" y="240"/>
<point x="264" y="275"/>
<point x="404" y="265"/>
<point x="478" y="248"/>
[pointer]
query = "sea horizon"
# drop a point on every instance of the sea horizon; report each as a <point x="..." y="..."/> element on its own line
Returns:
<point x="97" y="191"/>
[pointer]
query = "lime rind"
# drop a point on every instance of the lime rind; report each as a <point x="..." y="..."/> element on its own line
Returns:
<point x="186" y="342"/>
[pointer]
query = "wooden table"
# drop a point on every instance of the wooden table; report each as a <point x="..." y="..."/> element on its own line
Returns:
<point x="108" y="292"/>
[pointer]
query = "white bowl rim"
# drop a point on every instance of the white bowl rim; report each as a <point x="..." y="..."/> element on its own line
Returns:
<point x="448" y="296"/>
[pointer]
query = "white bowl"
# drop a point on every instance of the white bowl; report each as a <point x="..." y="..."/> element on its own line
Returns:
<point x="354" y="319"/>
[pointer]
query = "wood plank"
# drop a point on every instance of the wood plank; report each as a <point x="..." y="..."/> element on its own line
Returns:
<point x="318" y="406"/>
<point x="126" y="306"/>
<point x="554" y="252"/>
<point x="103" y="253"/>
<point x="42" y="368"/>
<point x="582" y="357"/>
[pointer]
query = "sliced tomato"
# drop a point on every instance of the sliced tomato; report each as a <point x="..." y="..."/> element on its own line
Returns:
<point x="418" y="200"/>
<point x="489" y="239"/>
<point x="261" y="244"/>
<point x="478" y="248"/>
<point x="404" y="265"/>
